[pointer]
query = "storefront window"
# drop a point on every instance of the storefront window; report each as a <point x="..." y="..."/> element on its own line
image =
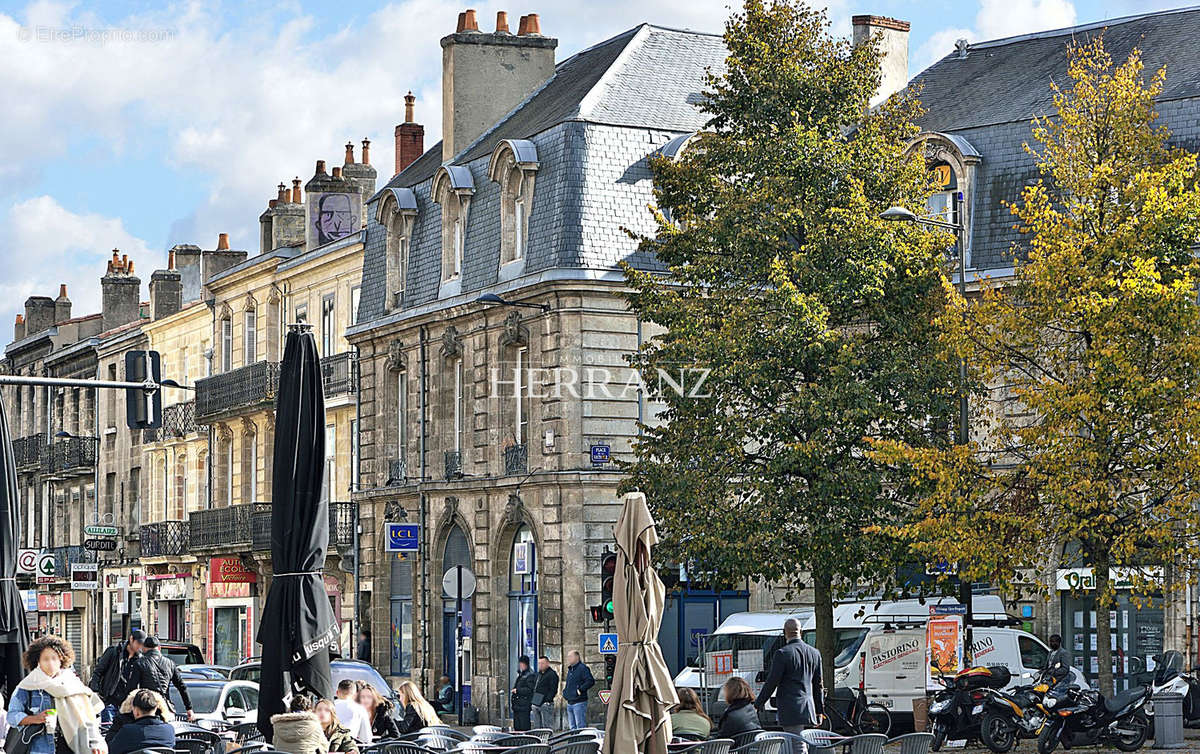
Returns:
<point x="401" y="623"/>
<point x="456" y="553"/>
<point x="522" y="599"/>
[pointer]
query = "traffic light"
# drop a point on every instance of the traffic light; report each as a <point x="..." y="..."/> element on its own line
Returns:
<point x="610" y="664"/>
<point x="604" y="612"/>
<point x="143" y="409"/>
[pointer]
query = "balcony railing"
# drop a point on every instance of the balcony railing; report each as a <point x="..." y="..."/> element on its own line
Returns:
<point x="221" y="528"/>
<point x="66" y="555"/>
<point x="29" y="450"/>
<point x="71" y="455"/>
<point x="179" y="420"/>
<point x="397" y="472"/>
<point x="516" y="459"/>
<point x="163" y="538"/>
<point x="238" y="389"/>
<point x="453" y="464"/>
<point x="341" y="526"/>
<point x="339" y="374"/>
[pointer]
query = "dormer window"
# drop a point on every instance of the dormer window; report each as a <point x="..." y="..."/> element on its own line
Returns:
<point x="952" y="163"/>
<point x="453" y="188"/>
<point x="397" y="213"/>
<point x="514" y="166"/>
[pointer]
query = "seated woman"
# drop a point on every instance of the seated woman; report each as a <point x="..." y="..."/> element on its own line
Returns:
<point x="379" y="710"/>
<point x="339" y="736"/>
<point x="417" y="711"/>
<point x="740" y="716"/>
<point x="688" y="720"/>
<point x="297" y="730"/>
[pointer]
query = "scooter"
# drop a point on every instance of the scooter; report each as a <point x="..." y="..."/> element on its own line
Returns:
<point x="956" y="710"/>
<point x="1077" y="717"/>
<point x="1009" y="716"/>
<point x="1169" y="678"/>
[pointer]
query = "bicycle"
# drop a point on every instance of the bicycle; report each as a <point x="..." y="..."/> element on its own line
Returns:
<point x="855" y="715"/>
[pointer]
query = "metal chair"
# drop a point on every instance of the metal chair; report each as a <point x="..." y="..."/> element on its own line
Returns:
<point x="254" y="747"/>
<point x="789" y="739"/>
<point x="542" y="733"/>
<point x="565" y="734"/>
<point x="715" y="746"/>
<point x="821" y="741"/>
<point x="487" y="729"/>
<point x="531" y="749"/>
<point x="579" y="747"/>
<point x="741" y="739"/>
<point x="769" y="745"/>
<point x="247" y="732"/>
<point x="155" y="750"/>
<point x="573" y="738"/>
<point x="408" y="747"/>
<point x="867" y="743"/>
<point x="195" y="745"/>
<point x="912" y="743"/>
<point x="447" y="731"/>
<point x="517" y="739"/>
<point x="436" y="742"/>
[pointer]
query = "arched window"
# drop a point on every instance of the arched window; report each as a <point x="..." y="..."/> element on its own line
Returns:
<point x="202" y="479"/>
<point x="397" y="213"/>
<point x="226" y="341"/>
<point x="178" y="505"/>
<point x="514" y="166"/>
<point x="250" y="332"/>
<point x="457" y="552"/>
<point x="453" y="188"/>
<point x="523" y="636"/>
<point x="249" y="462"/>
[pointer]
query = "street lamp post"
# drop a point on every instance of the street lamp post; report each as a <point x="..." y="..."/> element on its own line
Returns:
<point x="959" y="226"/>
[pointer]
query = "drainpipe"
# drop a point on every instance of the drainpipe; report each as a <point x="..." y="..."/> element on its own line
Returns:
<point x="354" y="487"/>
<point x="424" y="503"/>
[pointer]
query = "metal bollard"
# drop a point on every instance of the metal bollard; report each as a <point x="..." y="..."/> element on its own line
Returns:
<point x="1168" y="721"/>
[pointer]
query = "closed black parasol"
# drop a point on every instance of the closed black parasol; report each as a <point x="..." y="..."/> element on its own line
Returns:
<point x="298" y="632"/>
<point x="14" y="634"/>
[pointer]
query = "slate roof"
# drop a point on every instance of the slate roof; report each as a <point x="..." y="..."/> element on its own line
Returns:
<point x="593" y="123"/>
<point x="989" y="98"/>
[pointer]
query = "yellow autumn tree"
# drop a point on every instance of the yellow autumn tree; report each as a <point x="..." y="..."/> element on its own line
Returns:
<point x="1086" y="363"/>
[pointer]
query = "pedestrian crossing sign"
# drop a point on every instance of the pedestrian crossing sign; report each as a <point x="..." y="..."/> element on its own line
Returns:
<point x="608" y="644"/>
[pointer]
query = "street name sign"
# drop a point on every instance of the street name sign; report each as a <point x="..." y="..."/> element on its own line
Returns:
<point x="98" y="530"/>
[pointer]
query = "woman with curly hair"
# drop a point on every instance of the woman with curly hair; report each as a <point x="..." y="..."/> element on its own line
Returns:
<point x="52" y="706"/>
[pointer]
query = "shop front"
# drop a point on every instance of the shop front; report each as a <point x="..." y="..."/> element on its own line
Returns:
<point x="230" y="611"/>
<point x="58" y="615"/>
<point x="123" y="603"/>
<point x="171" y="601"/>
<point x="1137" y="624"/>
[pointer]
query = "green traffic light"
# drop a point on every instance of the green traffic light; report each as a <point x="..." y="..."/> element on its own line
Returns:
<point x="608" y="608"/>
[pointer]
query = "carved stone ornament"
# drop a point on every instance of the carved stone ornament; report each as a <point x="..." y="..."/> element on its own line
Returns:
<point x="450" y="511"/>
<point x="451" y="343"/>
<point x="396" y="360"/>
<point x="394" y="511"/>
<point x="514" y="512"/>
<point x="515" y="333"/>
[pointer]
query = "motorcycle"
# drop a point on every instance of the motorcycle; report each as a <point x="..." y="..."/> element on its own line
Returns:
<point x="1078" y="717"/>
<point x="1169" y="678"/>
<point x="955" y="711"/>
<point x="1017" y="713"/>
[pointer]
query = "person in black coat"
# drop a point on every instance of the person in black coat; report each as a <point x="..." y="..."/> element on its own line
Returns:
<point x="112" y="674"/>
<point x="383" y="727"/>
<point x="522" y="694"/>
<point x="155" y="672"/>
<point x="544" y="691"/>
<point x="794" y="677"/>
<point x="146" y="730"/>
<point x="740" y="716"/>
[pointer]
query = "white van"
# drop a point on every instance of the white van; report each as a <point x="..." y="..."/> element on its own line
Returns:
<point x="881" y="644"/>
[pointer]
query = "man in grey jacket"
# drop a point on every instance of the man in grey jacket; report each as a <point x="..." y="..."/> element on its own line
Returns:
<point x="795" y="672"/>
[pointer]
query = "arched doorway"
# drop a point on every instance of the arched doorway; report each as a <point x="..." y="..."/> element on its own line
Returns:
<point x="522" y="600"/>
<point x="457" y="552"/>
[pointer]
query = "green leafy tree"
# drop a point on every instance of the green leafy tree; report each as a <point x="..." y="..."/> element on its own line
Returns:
<point x="1088" y="359"/>
<point x="799" y="321"/>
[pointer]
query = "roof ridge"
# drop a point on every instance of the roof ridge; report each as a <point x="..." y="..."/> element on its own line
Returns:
<point x="557" y="68"/>
<point x="1064" y="31"/>
<point x="588" y="101"/>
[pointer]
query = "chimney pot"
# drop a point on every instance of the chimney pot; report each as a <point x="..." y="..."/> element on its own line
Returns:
<point x="462" y="23"/>
<point x="470" y="23"/>
<point x="366" y="152"/>
<point x="320" y="167"/>
<point x="409" y="101"/>
<point x="523" y="26"/>
<point x="171" y="259"/>
<point x="535" y="26"/>
<point x="271" y="203"/>
<point x="337" y="172"/>
<point x="125" y="261"/>
<point x="296" y="190"/>
<point x="349" y="153"/>
<point x="283" y="194"/>
<point x="62" y="290"/>
<point x="20" y="320"/>
<point x="223" y="242"/>
<point x="129" y="269"/>
<point x="502" y="22"/>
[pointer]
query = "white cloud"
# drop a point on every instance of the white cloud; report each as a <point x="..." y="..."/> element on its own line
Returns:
<point x="994" y="20"/>
<point x="52" y="245"/>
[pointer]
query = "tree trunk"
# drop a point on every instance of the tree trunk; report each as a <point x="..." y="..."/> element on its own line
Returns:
<point x="1103" y="601"/>
<point x="823" y="611"/>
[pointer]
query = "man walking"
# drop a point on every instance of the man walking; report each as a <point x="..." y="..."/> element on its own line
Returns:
<point x="575" y="690"/>
<point x="363" y="650"/>
<point x="796" y="673"/>
<point x="352" y="714"/>
<point x="113" y="672"/>
<point x="522" y="694"/>
<point x="155" y="672"/>
<point x="545" y="688"/>
<point x="1058" y="653"/>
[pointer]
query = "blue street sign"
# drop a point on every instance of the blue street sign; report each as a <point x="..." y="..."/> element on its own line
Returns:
<point x="954" y="609"/>
<point x="608" y="644"/>
<point x="601" y="454"/>
<point x="402" y="537"/>
<point x="698" y="635"/>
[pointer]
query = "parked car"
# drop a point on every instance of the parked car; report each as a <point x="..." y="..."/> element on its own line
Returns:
<point x="211" y="672"/>
<point x="355" y="670"/>
<point x="218" y="701"/>
<point x="181" y="654"/>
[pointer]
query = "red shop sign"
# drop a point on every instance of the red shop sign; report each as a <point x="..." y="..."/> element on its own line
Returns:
<point x="55" y="602"/>
<point x="230" y="571"/>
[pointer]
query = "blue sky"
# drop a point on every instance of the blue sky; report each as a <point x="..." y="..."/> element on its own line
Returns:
<point x="137" y="125"/>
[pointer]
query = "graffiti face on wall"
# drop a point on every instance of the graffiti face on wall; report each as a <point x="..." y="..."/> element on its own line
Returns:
<point x="336" y="217"/>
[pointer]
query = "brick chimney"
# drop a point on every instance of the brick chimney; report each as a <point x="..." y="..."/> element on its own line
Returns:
<point x="361" y="174"/>
<point x="166" y="290"/>
<point x="120" y="292"/>
<point x="19" y="327"/>
<point x="485" y="75"/>
<point x="334" y="206"/>
<point x="62" y="305"/>
<point x="892" y="34"/>
<point x="410" y="136"/>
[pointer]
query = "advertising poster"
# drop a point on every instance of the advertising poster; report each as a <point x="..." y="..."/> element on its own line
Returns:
<point x="945" y="649"/>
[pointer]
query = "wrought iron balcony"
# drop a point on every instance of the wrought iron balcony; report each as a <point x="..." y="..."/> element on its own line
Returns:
<point x="236" y="390"/>
<point x="179" y="420"/>
<point x="164" y="538"/>
<point x="29" y="450"/>
<point x="71" y="455"/>
<point x="339" y="373"/>
<point x="68" y="554"/>
<point x="453" y="464"/>
<point x="516" y="459"/>
<point x="222" y="528"/>
<point x="397" y="472"/>
<point x="341" y="525"/>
